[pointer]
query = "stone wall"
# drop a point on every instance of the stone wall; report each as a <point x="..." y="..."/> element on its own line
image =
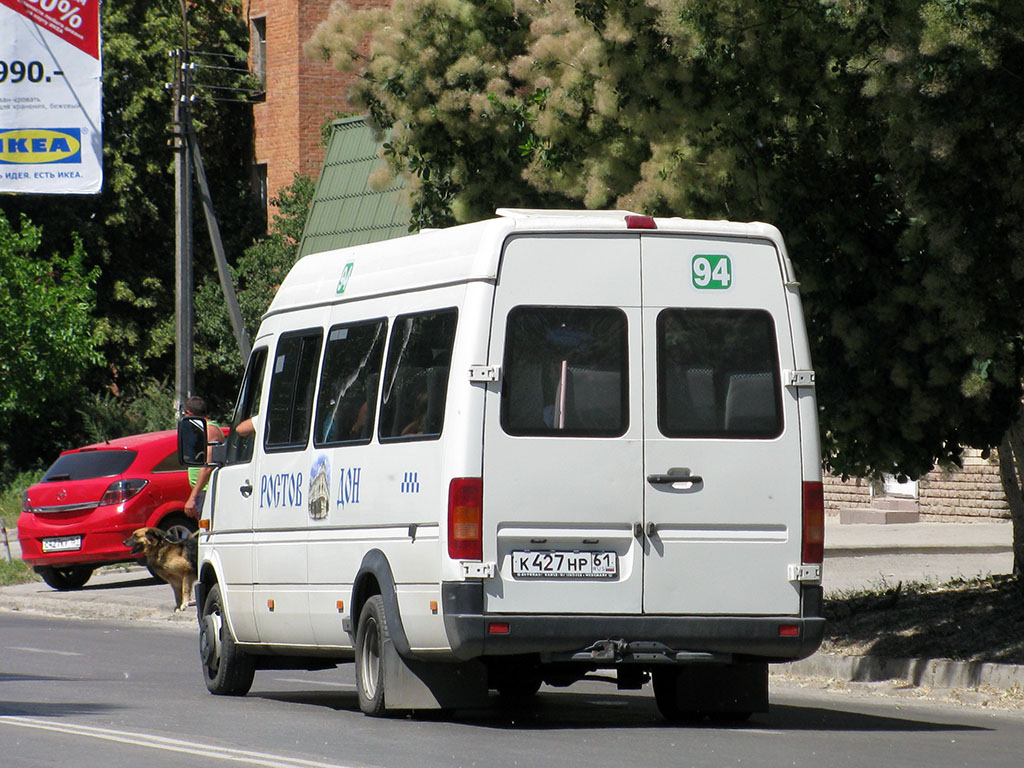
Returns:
<point x="972" y="492"/>
<point x="848" y="494"/>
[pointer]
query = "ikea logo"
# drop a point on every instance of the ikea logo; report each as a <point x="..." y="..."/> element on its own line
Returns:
<point x="33" y="146"/>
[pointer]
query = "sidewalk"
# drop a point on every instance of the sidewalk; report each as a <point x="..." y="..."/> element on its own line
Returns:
<point x="983" y="537"/>
<point x="123" y="594"/>
<point x="856" y="556"/>
<point x="864" y="555"/>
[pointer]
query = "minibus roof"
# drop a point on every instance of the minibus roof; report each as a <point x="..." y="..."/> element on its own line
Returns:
<point x="469" y="252"/>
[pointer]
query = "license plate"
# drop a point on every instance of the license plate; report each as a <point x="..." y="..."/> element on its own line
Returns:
<point x="62" y="544"/>
<point x="527" y="564"/>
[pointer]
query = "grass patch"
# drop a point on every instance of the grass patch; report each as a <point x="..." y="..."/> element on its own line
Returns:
<point x="964" y="620"/>
<point x="16" y="572"/>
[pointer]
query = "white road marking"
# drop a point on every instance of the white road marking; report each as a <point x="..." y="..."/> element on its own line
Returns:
<point x="42" y="650"/>
<point x="168" y="745"/>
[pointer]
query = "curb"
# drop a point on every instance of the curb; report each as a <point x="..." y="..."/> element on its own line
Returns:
<point x="920" y="673"/>
<point x="897" y="549"/>
<point x="42" y="606"/>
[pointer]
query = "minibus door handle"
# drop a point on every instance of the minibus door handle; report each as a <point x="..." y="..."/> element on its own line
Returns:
<point x="246" y="489"/>
<point x="673" y="479"/>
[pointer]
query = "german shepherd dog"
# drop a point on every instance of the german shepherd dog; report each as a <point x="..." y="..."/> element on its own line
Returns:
<point x="173" y="561"/>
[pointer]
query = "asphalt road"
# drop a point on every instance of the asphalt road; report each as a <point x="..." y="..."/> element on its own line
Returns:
<point x="114" y="694"/>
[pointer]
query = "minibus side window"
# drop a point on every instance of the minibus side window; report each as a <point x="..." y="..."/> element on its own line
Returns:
<point x="565" y="372"/>
<point x="416" y="377"/>
<point x="347" y="403"/>
<point x="718" y="374"/>
<point x="292" y="383"/>
<point x="240" y="447"/>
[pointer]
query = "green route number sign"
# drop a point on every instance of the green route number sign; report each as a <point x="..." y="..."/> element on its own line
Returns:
<point x="711" y="271"/>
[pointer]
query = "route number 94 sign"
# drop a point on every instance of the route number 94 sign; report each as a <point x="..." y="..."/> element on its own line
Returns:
<point x="51" y="140"/>
<point x="711" y="272"/>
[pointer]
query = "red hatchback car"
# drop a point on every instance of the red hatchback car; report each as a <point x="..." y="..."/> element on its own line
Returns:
<point x="76" y="518"/>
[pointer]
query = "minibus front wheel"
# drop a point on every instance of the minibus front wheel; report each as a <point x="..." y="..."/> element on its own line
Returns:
<point x="227" y="670"/>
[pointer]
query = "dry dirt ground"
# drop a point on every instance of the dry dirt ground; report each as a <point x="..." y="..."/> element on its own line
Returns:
<point x="963" y="620"/>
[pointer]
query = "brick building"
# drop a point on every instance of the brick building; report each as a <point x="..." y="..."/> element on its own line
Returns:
<point x="300" y="96"/>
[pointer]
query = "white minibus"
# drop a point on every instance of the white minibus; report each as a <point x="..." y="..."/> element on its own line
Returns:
<point x="522" y="451"/>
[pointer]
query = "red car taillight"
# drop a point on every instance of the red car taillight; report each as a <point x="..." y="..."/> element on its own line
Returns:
<point x="26" y="505"/>
<point x="122" y="490"/>
<point x="465" y="518"/>
<point x="814" y="523"/>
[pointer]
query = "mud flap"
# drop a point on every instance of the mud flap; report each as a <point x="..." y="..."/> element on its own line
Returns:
<point x="415" y="684"/>
<point x="722" y="688"/>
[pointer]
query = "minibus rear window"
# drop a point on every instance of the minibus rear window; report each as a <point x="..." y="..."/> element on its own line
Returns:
<point x="565" y="372"/>
<point x="347" y="403"/>
<point x="718" y="374"/>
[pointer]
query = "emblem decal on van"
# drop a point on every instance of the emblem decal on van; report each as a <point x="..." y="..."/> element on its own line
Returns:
<point x="319" y="488"/>
<point x="348" y="486"/>
<point x="410" y="482"/>
<point x="711" y="271"/>
<point x="346" y="273"/>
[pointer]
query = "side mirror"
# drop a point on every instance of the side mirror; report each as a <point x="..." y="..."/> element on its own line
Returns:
<point x="192" y="441"/>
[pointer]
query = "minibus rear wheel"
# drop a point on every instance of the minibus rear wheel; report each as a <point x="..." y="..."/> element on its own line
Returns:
<point x="227" y="670"/>
<point x="371" y="637"/>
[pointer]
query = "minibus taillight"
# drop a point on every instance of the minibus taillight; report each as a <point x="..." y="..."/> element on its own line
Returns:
<point x="814" y="523"/>
<point x="465" y="518"/>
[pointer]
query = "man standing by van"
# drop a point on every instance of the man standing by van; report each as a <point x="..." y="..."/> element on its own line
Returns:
<point x="199" y="477"/>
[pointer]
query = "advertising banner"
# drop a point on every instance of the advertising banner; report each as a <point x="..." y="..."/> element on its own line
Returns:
<point x="51" y="140"/>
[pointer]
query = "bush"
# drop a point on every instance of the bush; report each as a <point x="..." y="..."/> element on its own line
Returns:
<point x="10" y="498"/>
<point x="108" y="416"/>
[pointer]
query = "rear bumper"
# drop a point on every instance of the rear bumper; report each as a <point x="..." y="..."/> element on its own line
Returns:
<point x="628" y="638"/>
<point x="98" y="548"/>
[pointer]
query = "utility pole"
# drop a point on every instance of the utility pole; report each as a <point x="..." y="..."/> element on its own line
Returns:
<point x="223" y="272"/>
<point x="187" y="157"/>
<point x="184" y="377"/>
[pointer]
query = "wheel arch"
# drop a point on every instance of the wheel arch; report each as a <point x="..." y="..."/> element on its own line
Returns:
<point x="206" y="579"/>
<point x="375" y="577"/>
<point x="164" y="511"/>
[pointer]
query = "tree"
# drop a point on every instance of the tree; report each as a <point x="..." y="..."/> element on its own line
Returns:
<point x="257" y="275"/>
<point x="882" y="138"/>
<point x="128" y="229"/>
<point x="50" y="341"/>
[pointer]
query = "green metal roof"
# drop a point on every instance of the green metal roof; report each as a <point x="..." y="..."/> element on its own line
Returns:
<point x="345" y="210"/>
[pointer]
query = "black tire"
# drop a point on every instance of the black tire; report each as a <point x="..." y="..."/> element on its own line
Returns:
<point x="227" y="670"/>
<point x="666" y="694"/>
<point x="67" y="578"/>
<point x="371" y="637"/>
<point x="178" y="527"/>
<point x="515" y="683"/>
